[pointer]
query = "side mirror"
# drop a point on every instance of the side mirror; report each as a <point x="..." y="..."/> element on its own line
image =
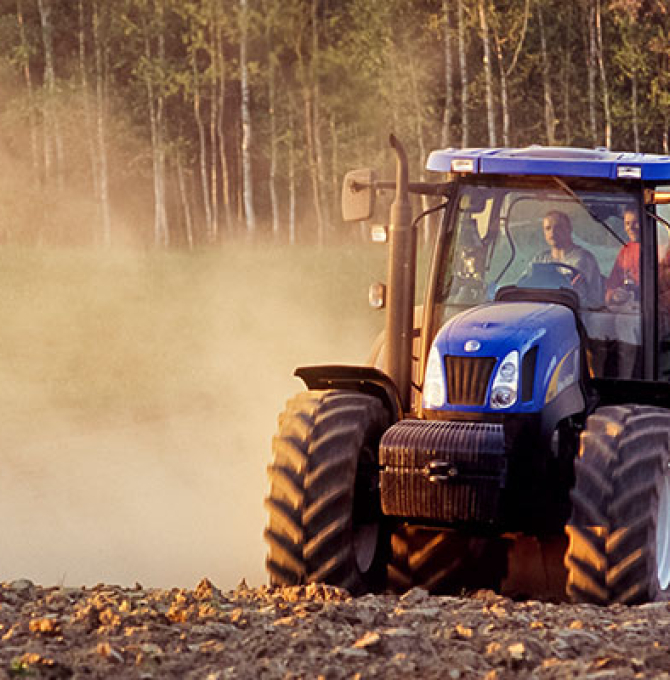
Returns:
<point x="358" y="195"/>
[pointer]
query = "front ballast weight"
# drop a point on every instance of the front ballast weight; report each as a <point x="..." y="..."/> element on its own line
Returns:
<point x="456" y="471"/>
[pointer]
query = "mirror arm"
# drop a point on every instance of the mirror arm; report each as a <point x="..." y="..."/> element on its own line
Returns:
<point x="423" y="188"/>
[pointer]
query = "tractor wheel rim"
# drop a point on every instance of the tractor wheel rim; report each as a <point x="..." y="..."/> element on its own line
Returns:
<point x="663" y="533"/>
<point x="365" y="545"/>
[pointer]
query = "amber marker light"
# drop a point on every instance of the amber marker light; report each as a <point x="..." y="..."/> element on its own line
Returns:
<point x="377" y="295"/>
<point x="661" y="197"/>
<point x="379" y="233"/>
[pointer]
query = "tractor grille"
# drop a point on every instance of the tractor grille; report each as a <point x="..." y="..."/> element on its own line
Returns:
<point x="445" y="471"/>
<point x="468" y="379"/>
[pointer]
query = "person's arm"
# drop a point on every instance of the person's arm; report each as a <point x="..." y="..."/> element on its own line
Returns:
<point x="590" y="281"/>
<point x="616" y="277"/>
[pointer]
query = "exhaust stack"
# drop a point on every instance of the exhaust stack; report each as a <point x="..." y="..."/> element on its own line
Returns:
<point x="401" y="282"/>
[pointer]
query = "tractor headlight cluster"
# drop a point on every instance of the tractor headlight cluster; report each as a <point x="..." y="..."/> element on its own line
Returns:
<point x="434" y="394"/>
<point x="505" y="388"/>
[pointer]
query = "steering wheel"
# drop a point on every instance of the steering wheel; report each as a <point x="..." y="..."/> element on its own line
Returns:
<point x="549" y="275"/>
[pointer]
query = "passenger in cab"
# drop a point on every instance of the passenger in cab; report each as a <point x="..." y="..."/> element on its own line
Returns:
<point x="623" y="283"/>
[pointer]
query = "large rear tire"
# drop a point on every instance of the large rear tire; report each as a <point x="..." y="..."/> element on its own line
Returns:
<point x="325" y="521"/>
<point x="619" y="531"/>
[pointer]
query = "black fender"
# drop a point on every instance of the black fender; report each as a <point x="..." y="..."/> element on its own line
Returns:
<point x="570" y="402"/>
<point x="365" y="379"/>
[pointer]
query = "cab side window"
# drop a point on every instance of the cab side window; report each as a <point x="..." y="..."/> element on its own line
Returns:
<point x="663" y="246"/>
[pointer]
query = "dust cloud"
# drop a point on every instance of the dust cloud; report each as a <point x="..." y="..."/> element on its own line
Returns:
<point x="139" y="389"/>
<point x="140" y="394"/>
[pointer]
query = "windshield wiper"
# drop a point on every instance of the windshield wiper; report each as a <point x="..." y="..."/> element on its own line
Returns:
<point x="658" y="218"/>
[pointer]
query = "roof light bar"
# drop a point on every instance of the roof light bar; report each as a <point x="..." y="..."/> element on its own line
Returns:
<point x="462" y="165"/>
<point x="629" y="172"/>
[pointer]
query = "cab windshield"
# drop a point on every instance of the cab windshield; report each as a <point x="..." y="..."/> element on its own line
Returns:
<point x="550" y="235"/>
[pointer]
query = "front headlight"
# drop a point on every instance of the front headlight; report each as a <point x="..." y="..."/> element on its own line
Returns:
<point x="434" y="394"/>
<point x="505" y="388"/>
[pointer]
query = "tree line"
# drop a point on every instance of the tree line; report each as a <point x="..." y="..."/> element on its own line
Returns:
<point x="229" y="118"/>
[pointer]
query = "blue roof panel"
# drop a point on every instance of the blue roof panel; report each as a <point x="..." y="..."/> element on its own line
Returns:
<point x="561" y="161"/>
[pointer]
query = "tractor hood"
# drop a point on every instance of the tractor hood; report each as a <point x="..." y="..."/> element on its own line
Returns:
<point x="540" y="339"/>
<point x="493" y="330"/>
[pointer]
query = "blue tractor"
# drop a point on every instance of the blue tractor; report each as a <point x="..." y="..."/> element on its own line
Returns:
<point x="513" y="431"/>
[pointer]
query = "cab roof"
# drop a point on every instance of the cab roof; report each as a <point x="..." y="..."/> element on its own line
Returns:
<point x="551" y="160"/>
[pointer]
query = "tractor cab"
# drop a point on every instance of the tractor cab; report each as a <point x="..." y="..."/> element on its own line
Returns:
<point x="534" y="224"/>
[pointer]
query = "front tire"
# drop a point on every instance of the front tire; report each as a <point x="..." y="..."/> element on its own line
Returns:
<point x="325" y="522"/>
<point x="619" y="531"/>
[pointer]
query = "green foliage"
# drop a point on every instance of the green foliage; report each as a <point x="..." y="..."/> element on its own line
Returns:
<point x="362" y="68"/>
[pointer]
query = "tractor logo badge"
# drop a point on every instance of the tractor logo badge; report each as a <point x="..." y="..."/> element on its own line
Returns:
<point x="472" y="345"/>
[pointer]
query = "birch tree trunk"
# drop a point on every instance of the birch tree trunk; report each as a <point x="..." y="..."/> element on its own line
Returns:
<point x="312" y="162"/>
<point x="155" y="101"/>
<point x="634" y="104"/>
<point x="465" y="132"/>
<point x="239" y="170"/>
<point x="504" y="102"/>
<point x="567" y="99"/>
<point x="448" y="77"/>
<point x="291" y="171"/>
<point x="247" y="184"/>
<point x="506" y="71"/>
<point x="591" y="66"/>
<point x="32" y="116"/>
<point x="213" y="130"/>
<point x="418" y="113"/>
<point x="420" y="140"/>
<point x="488" y="76"/>
<point x="225" y="173"/>
<point x="202" y="155"/>
<point x="185" y="202"/>
<point x="88" y="113"/>
<point x="164" y="233"/>
<point x="214" y="159"/>
<point x="101" y="127"/>
<point x="603" y="76"/>
<point x="272" y="114"/>
<point x="53" y="144"/>
<point x="334" y="165"/>
<point x="316" y="126"/>
<point x="549" y="114"/>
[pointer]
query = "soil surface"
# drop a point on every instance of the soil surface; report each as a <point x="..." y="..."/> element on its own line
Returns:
<point x="319" y="632"/>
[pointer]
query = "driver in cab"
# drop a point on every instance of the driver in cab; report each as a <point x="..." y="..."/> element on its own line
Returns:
<point x="584" y="274"/>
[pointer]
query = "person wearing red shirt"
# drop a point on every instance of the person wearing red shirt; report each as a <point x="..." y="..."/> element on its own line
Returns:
<point x="626" y="270"/>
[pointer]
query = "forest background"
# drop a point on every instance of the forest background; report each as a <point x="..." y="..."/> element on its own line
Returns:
<point x="192" y="122"/>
